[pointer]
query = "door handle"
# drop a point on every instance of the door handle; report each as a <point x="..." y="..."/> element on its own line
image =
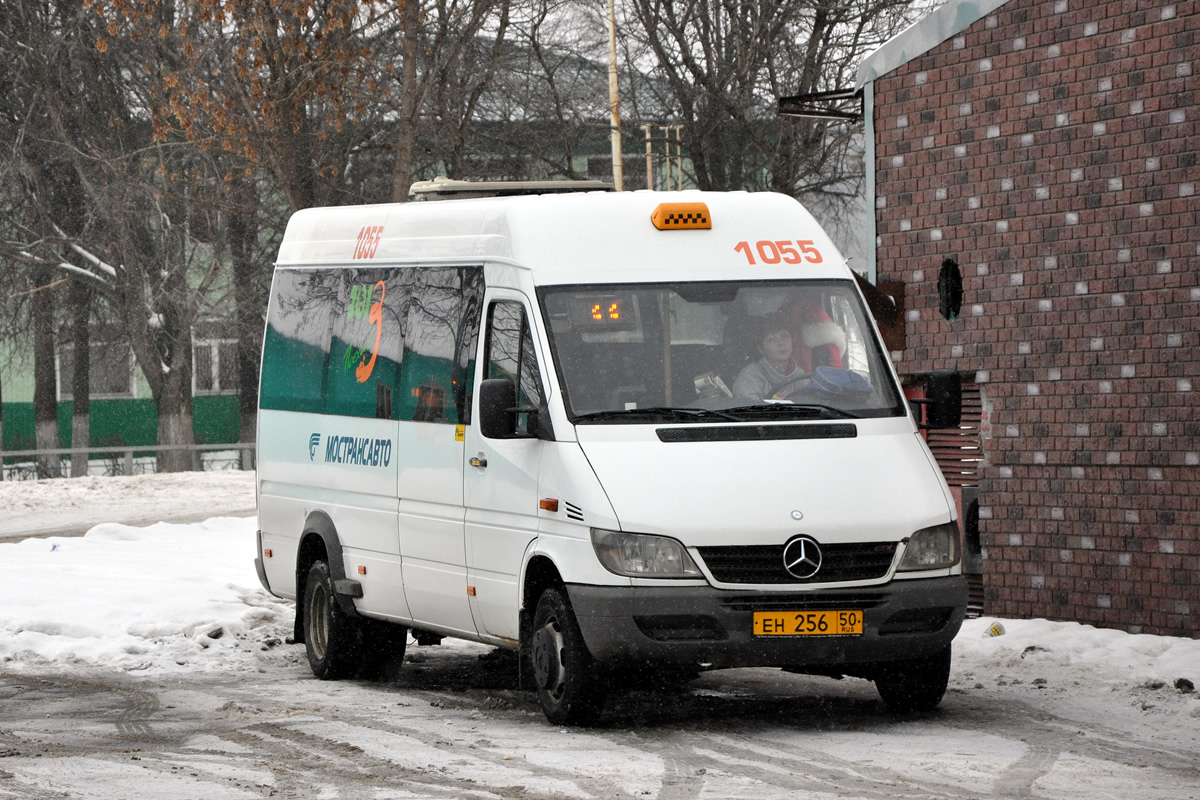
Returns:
<point x="478" y="461"/>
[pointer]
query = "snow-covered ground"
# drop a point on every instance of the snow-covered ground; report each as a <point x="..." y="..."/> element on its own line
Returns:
<point x="171" y="603"/>
<point x="31" y="508"/>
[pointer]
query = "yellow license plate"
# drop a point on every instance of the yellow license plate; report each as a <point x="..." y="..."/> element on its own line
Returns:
<point x="808" y="623"/>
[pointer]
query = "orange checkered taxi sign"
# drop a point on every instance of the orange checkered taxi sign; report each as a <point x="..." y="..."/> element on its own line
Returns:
<point x="681" y="217"/>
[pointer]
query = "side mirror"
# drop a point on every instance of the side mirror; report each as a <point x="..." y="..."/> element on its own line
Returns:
<point x="497" y="401"/>
<point x="943" y="399"/>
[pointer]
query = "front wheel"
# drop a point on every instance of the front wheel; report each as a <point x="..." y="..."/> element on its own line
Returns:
<point x="330" y="637"/>
<point x="917" y="685"/>
<point x="569" y="684"/>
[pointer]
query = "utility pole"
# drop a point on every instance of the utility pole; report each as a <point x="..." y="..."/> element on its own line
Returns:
<point x="649" y="157"/>
<point x="613" y="98"/>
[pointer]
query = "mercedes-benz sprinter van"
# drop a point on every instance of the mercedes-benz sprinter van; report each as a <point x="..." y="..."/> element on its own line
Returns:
<point x="607" y="430"/>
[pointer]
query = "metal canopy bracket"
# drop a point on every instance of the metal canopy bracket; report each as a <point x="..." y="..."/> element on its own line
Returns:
<point x="843" y="104"/>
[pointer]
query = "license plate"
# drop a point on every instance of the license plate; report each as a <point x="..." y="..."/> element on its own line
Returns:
<point x="808" y="623"/>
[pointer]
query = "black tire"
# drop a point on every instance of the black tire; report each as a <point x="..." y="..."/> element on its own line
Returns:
<point x="569" y="684"/>
<point x="381" y="650"/>
<point x="918" y="685"/>
<point x="331" y="638"/>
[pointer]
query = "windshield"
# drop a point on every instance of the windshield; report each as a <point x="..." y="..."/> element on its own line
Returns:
<point x="701" y="351"/>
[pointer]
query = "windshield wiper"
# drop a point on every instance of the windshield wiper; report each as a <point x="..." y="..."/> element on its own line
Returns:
<point x="658" y="414"/>
<point x="791" y="411"/>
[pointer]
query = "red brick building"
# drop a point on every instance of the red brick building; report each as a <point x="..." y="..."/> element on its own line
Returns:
<point x="1049" y="149"/>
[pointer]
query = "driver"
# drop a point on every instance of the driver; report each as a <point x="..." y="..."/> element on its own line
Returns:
<point x="777" y="369"/>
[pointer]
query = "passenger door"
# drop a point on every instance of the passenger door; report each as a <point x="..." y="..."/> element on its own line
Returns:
<point x="441" y="337"/>
<point x="502" y="474"/>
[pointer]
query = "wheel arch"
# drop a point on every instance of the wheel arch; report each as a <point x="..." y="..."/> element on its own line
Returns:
<point x="319" y="542"/>
<point x="540" y="574"/>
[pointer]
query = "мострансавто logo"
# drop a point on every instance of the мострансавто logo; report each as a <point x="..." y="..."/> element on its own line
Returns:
<point x="361" y="450"/>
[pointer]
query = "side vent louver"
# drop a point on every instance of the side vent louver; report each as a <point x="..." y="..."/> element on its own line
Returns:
<point x="574" y="512"/>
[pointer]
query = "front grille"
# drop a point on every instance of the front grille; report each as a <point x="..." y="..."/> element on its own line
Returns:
<point x="764" y="563"/>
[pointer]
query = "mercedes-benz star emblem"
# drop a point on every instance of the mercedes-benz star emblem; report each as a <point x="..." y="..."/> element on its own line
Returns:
<point x="802" y="557"/>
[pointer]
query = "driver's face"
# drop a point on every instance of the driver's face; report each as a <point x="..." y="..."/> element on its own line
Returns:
<point x="777" y="346"/>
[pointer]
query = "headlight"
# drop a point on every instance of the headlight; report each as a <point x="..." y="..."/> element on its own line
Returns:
<point x="931" y="548"/>
<point x="638" y="555"/>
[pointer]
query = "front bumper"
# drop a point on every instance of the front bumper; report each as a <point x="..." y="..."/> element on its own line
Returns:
<point x="700" y="625"/>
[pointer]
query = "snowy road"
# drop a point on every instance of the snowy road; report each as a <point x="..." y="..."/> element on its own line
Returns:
<point x="147" y="662"/>
<point x="453" y="726"/>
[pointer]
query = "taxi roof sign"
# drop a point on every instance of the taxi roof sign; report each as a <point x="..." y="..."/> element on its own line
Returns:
<point x="681" y="217"/>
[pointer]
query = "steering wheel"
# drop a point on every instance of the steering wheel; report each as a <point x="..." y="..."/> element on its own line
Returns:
<point x="774" y="390"/>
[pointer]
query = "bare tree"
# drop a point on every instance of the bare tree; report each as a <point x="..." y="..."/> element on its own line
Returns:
<point x="449" y="54"/>
<point x="100" y="203"/>
<point x="726" y="63"/>
<point x="292" y="86"/>
<point x="548" y="102"/>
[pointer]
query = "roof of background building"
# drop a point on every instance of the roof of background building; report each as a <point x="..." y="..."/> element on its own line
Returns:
<point x="923" y="35"/>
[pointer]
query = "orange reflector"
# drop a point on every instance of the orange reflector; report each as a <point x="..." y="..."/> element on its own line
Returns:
<point x="267" y="553"/>
<point x="681" y="217"/>
<point x="548" y="504"/>
<point x="470" y="591"/>
<point x="362" y="570"/>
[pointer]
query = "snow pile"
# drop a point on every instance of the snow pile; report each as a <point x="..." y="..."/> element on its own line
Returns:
<point x="161" y="598"/>
<point x="1071" y="652"/>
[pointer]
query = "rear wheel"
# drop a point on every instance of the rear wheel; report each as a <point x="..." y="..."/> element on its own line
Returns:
<point x="331" y="637"/>
<point x="917" y="685"/>
<point x="569" y="684"/>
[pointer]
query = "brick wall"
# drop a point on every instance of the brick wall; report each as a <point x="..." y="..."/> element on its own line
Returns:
<point x="1051" y="150"/>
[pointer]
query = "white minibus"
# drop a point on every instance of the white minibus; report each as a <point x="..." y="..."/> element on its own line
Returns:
<point x="617" y="432"/>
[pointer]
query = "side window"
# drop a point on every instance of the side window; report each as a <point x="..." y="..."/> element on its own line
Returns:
<point x="441" y="329"/>
<point x="366" y="345"/>
<point x="296" y="345"/>
<point x="510" y="355"/>
<point x="383" y="343"/>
